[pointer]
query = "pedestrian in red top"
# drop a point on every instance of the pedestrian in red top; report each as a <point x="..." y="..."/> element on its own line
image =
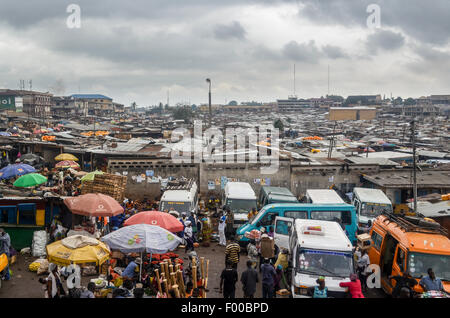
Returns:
<point x="354" y="286"/>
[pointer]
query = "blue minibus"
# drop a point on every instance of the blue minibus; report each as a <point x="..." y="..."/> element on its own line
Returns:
<point x="343" y="213"/>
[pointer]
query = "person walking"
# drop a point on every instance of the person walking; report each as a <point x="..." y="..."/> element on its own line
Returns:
<point x="229" y="230"/>
<point x="232" y="252"/>
<point x="268" y="273"/>
<point x="362" y="268"/>
<point x="221" y="228"/>
<point x="354" y="286"/>
<point x="228" y="280"/>
<point x="249" y="278"/>
<point x="54" y="285"/>
<point x="5" y="245"/>
<point x="189" y="236"/>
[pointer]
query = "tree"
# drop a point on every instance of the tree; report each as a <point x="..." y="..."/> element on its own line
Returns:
<point x="184" y="113"/>
<point x="233" y="103"/>
<point x="278" y="124"/>
<point x="398" y="101"/>
<point x="410" y="101"/>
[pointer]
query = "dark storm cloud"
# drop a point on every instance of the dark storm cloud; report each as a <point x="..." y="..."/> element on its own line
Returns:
<point x="384" y="40"/>
<point x="228" y="31"/>
<point x="426" y="21"/>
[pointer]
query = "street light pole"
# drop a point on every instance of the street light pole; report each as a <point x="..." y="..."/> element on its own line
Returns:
<point x="209" y="99"/>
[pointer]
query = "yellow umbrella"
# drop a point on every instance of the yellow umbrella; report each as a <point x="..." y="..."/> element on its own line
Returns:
<point x="66" y="156"/>
<point x="78" y="249"/>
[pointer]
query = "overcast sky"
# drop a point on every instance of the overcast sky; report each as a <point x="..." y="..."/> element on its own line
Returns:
<point x="138" y="50"/>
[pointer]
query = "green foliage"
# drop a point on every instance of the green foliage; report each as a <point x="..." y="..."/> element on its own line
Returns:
<point x="278" y="124"/>
<point x="184" y="112"/>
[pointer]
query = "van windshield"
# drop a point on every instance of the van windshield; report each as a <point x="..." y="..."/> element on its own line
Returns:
<point x="325" y="263"/>
<point x="419" y="263"/>
<point x="177" y="206"/>
<point x="241" y="205"/>
<point x="373" y="210"/>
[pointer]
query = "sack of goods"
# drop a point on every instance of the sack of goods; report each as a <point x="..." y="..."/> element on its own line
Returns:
<point x="40" y="240"/>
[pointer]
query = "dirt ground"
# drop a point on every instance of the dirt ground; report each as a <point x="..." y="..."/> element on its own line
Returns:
<point x="25" y="284"/>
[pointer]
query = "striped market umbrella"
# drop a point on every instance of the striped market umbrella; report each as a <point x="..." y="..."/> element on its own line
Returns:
<point x="67" y="164"/>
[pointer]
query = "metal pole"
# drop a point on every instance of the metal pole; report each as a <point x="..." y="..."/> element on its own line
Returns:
<point x="413" y="136"/>
<point x="209" y="101"/>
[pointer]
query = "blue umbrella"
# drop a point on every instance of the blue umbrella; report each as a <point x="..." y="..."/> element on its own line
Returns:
<point x="15" y="170"/>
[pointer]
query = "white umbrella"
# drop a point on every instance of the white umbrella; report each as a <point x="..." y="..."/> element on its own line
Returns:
<point x="142" y="238"/>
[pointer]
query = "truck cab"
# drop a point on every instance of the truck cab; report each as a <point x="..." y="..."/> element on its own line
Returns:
<point x="369" y="203"/>
<point x="409" y="244"/>
<point x="316" y="248"/>
<point x="181" y="199"/>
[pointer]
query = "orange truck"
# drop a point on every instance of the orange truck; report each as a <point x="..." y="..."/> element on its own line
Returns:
<point x="409" y="244"/>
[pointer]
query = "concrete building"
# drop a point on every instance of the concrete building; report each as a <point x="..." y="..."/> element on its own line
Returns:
<point x="99" y="105"/>
<point x="292" y="104"/>
<point x="364" y="100"/>
<point x="265" y="108"/>
<point x="352" y="113"/>
<point x="34" y="103"/>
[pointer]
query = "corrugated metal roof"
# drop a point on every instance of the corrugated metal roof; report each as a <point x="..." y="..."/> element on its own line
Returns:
<point x="90" y="96"/>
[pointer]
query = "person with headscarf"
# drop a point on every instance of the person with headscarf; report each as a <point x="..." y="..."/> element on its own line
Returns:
<point x="54" y="285"/>
<point x="354" y="286"/>
<point x="320" y="291"/>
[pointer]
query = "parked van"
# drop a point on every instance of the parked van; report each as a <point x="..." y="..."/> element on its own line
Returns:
<point x="317" y="248"/>
<point x="345" y="213"/>
<point x="241" y="199"/>
<point x="369" y="204"/>
<point x="269" y="195"/>
<point x="182" y="198"/>
<point x="323" y="196"/>
<point x="411" y="244"/>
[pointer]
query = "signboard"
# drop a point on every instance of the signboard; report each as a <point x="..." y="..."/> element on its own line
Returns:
<point x="7" y="102"/>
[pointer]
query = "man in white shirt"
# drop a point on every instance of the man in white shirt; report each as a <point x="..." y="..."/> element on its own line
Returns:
<point x="222" y="225"/>
<point x="363" y="263"/>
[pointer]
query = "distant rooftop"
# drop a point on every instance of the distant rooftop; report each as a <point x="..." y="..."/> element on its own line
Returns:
<point x="90" y="96"/>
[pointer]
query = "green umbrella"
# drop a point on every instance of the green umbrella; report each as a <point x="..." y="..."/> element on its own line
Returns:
<point x="91" y="175"/>
<point x="30" y="180"/>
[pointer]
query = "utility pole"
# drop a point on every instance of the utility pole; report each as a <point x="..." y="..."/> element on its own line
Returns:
<point x="209" y="101"/>
<point x="413" y="139"/>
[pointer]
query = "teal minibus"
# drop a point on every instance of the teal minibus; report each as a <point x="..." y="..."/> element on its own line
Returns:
<point x="343" y="213"/>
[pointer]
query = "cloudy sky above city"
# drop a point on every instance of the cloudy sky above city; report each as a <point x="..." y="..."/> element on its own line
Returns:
<point x="139" y="50"/>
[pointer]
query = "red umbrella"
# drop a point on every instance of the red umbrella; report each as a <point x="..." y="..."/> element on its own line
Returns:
<point x="93" y="204"/>
<point x="162" y="219"/>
